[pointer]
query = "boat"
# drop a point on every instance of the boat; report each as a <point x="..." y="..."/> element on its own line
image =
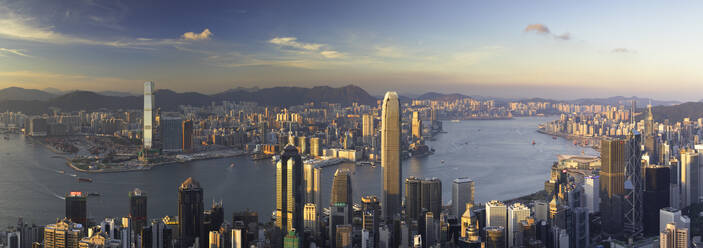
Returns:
<point x="85" y="180"/>
<point x="456" y="121"/>
<point x="93" y="194"/>
<point x="533" y="142"/>
<point x="554" y="137"/>
<point x="231" y="165"/>
<point x="61" y="172"/>
<point x="442" y="161"/>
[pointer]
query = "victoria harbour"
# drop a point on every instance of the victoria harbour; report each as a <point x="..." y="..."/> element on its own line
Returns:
<point x="502" y="162"/>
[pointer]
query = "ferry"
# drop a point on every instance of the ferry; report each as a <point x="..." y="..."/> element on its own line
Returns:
<point x="456" y="121"/>
<point x="85" y="180"/>
<point x="231" y="165"/>
<point x="93" y="194"/>
<point x="442" y="161"/>
<point x="533" y="142"/>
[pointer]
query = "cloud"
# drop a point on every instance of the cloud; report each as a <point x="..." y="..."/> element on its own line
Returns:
<point x="331" y="54"/>
<point x="20" y="27"/>
<point x="564" y="36"/>
<point x="538" y="28"/>
<point x="205" y="35"/>
<point x="623" y="50"/>
<point x="293" y="43"/>
<point x="13" y="52"/>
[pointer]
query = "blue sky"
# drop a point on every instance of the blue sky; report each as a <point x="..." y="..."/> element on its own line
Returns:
<point x="557" y="49"/>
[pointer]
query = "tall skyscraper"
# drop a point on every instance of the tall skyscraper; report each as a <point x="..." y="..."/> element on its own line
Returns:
<point x="76" y="208"/>
<point x="612" y="184"/>
<point x="672" y="215"/>
<point x="137" y="209"/>
<point x="190" y="211"/>
<point x="462" y="193"/>
<point x="496" y="214"/>
<point x="516" y="214"/>
<point x="674" y="237"/>
<point x="171" y="133"/>
<point x="148" y="114"/>
<point x="432" y="196"/>
<point x="634" y="185"/>
<point x="187" y="136"/>
<point x="495" y="237"/>
<point x="422" y="195"/>
<point x="591" y="192"/>
<point x="656" y="196"/>
<point x="290" y="195"/>
<point x="314" y="146"/>
<point x="690" y="163"/>
<point x="367" y="125"/>
<point x="416" y="125"/>
<point x="371" y="217"/>
<point x="63" y="234"/>
<point x="340" y="203"/>
<point x="390" y="155"/>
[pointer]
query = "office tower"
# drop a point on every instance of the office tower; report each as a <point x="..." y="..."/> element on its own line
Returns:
<point x="432" y="196"/>
<point x="591" y="193"/>
<point x="689" y="177"/>
<point x="158" y="234"/>
<point x="343" y="236"/>
<point x="62" y="234"/>
<point x="310" y="218"/>
<point x="290" y="194"/>
<point x="13" y="239"/>
<point x="214" y="239"/>
<point x="248" y="222"/>
<point x="612" y="184"/>
<point x="76" y="208"/>
<point x="390" y="155"/>
<point x="238" y="235"/>
<point x="303" y="145"/>
<point x="672" y="215"/>
<point x="187" y="136"/>
<point x="126" y="232"/>
<point x="578" y="227"/>
<point x="367" y="125"/>
<point x="413" y="193"/>
<point x="650" y="137"/>
<point x="315" y="146"/>
<point x="516" y="214"/>
<point x="674" y="237"/>
<point x="541" y="210"/>
<point x="430" y="234"/>
<point x="656" y="196"/>
<point x="462" y="193"/>
<point x="340" y="202"/>
<point x="495" y="237"/>
<point x="310" y="183"/>
<point x="148" y="114"/>
<point x="634" y="185"/>
<point x="674" y="183"/>
<point x="371" y="217"/>
<point x="422" y="195"/>
<point x="171" y="133"/>
<point x="496" y="214"/>
<point x="214" y="217"/>
<point x="190" y="210"/>
<point x="137" y="209"/>
<point x="416" y="126"/>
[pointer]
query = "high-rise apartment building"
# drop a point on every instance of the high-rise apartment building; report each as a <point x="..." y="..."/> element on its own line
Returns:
<point x="674" y="237"/>
<point x="390" y="155"/>
<point x="148" y="115"/>
<point x="62" y="234"/>
<point x="416" y="125"/>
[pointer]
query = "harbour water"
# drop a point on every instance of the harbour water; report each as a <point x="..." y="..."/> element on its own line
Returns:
<point x="497" y="154"/>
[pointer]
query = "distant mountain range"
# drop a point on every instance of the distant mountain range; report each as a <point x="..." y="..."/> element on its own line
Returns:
<point x="37" y="101"/>
<point x="674" y="113"/>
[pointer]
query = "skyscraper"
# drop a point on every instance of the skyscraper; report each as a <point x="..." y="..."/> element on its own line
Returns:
<point x="367" y="125"/>
<point x="137" y="209"/>
<point x="340" y="203"/>
<point x="187" y="136"/>
<point x="171" y="133"/>
<point x="591" y="192"/>
<point x="76" y="208"/>
<point x="516" y="214"/>
<point x="656" y="196"/>
<point x="674" y="237"/>
<point x="495" y="237"/>
<point x="148" y="114"/>
<point x="63" y="234"/>
<point x="462" y="193"/>
<point x="689" y="177"/>
<point x="432" y="196"/>
<point x="290" y="195"/>
<point x="422" y="195"/>
<point x="612" y="184"/>
<point x="390" y="155"/>
<point x="416" y="125"/>
<point x="371" y="217"/>
<point x="190" y="211"/>
<point x="496" y="214"/>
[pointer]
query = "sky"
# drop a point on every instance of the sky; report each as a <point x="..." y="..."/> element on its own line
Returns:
<point x="554" y="49"/>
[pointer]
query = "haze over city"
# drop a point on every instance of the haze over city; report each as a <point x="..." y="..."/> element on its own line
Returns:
<point x="559" y="50"/>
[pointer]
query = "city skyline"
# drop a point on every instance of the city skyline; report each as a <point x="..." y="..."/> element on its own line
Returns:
<point x="476" y="48"/>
